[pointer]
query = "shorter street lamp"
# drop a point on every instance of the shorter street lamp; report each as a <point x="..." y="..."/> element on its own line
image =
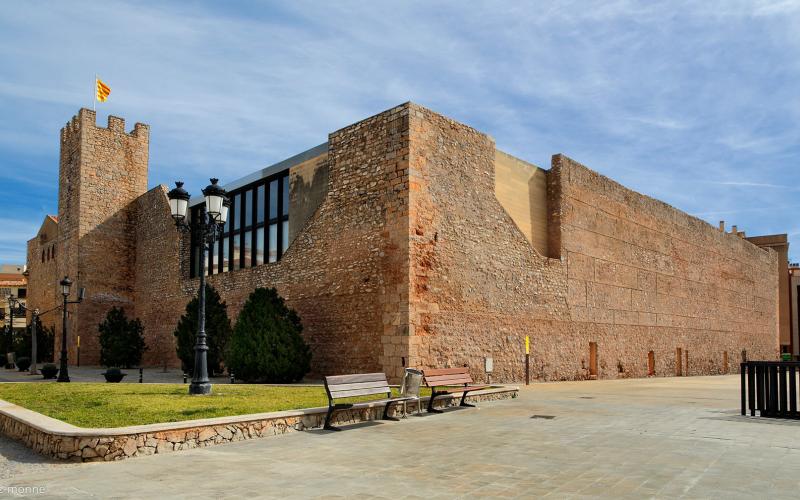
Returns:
<point x="207" y="229"/>
<point x="10" y="330"/>
<point x="66" y="283"/>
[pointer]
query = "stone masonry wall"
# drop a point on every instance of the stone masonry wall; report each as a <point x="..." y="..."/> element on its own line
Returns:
<point x="102" y="170"/>
<point x="159" y="302"/>
<point x="635" y="275"/>
<point x="410" y="260"/>
<point x="42" y="273"/>
<point x="345" y="272"/>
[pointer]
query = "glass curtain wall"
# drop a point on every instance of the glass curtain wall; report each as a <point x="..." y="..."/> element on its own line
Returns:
<point x="257" y="229"/>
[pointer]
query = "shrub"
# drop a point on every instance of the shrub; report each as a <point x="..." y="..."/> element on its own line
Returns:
<point x="121" y="340"/>
<point x="218" y="332"/>
<point x="23" y="364"/>
<point x="49" y="370"/>
<point x="45" y="337"/>
<point x="266" y="345"/>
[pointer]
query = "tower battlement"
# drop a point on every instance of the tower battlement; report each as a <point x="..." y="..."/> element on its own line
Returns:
<point x="87" y="118"/>
<point x="102" y="170"/>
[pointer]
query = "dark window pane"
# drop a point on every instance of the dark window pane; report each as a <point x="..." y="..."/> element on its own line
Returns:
<point x="248" y="208"/>
<point x="260" y="246"/>
<point x="248" y="254"/>
<point x="285" y="182"/>
<point x="196" y="256"/>
<point x="273" y="242"/>
<point x="260" y="202"/>
<point x="226" y="261"/>
<point x="285" y="240"/>
<point x="237" y="210"/>
<point x="235" y="253"/>
<point x="273" y="199"/>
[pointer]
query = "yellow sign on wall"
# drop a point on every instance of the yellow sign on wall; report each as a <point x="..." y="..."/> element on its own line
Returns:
<point x="527" y="345"/>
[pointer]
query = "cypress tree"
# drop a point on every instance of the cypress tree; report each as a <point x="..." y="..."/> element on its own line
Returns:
<point x="218" y="332"/>
<point x="267" y="345"/>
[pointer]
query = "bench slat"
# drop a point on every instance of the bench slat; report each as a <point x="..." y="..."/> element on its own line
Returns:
<point x="433" y="372"/>
<point x="459" y="376"/>
<point x="448" y="380"/>
<point x="463" y="389"/>
<point x="378" y="401"/>
<point x="360" y="392"/>
<point x="355" y="378"/>
<point x="357" y="385"/>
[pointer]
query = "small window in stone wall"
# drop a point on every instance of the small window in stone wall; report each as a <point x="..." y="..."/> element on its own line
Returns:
<point x="258" y="224"/>
<point x="42" y="255"/>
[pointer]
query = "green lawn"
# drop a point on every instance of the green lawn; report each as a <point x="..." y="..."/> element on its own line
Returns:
<point x="117" y="405"/>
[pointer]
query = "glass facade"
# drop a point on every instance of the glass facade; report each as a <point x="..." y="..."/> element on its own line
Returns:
<point x="258" y="224"/>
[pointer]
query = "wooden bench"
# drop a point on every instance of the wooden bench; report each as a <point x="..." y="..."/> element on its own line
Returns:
<point x="448" y="379"/>
<point x="362" y="384"/>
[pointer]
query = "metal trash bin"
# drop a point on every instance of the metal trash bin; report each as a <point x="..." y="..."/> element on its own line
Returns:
<point x="412" y="381"/>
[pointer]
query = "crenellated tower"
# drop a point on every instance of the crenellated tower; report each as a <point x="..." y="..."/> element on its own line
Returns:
<point x="101" y="172"/>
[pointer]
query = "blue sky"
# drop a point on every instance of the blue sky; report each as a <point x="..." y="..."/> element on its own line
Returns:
<point x="694" y="103"/>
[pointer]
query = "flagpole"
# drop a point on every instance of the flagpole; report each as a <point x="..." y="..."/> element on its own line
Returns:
<point x="94" y="94"/>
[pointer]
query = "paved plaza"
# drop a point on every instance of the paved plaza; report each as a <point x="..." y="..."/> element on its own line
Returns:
<point x="663" y="438"/>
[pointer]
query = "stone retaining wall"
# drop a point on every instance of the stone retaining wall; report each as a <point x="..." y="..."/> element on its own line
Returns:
<point x="63" y="441"/>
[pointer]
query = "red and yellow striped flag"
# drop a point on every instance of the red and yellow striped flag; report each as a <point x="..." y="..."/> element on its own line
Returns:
<point x="103" y="90"/>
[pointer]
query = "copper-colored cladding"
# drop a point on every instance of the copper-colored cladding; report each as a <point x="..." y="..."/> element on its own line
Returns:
<point x="651" y="364"/>
<point x="592" y="360"/>
<point x="678" y="362"/>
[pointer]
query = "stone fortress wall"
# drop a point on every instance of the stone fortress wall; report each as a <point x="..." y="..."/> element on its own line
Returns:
<point x="630" y="273"/>
<point x="410" y="248"/>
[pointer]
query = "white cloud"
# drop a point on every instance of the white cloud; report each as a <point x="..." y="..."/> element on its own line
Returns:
<point x="694" y="103"/>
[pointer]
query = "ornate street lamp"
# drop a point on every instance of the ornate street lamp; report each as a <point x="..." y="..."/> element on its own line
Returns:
<point x="207" y="229"/>
<point x="66" y="283"/>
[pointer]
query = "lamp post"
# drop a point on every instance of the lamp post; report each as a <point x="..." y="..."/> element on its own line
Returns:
<point x="207" y="228"/>
<point x="10" y="330"/>
<point x="66" y="283"/>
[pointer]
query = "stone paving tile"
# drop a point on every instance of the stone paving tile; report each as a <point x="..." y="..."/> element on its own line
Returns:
<point x="651" y="438"/>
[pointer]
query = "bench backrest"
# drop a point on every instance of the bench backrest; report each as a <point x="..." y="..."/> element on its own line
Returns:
<point x="447" y="376"/>
<point x="360" y="384"/>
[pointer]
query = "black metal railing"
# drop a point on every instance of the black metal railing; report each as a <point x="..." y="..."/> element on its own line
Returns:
<point x="770" y="387"/>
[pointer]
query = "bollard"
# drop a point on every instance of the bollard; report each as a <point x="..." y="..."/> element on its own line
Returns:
<point x="141" y="375"/>
<point x="184" y="377"/>
<point x="233" y="379"/>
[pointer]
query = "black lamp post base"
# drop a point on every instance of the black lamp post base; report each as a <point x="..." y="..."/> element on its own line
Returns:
<point x="200" y="388"/>
<point x="62" y="379"/>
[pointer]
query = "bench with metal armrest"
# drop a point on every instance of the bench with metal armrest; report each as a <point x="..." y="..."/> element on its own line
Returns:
<point x="445" y="381"/>
<point x="360" y="384"/>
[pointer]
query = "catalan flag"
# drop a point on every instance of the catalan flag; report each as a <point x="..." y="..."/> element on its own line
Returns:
<point x="103" y="90"/>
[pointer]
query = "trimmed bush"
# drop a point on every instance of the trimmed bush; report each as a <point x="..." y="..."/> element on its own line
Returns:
<point x="218" y="332"/>
<point x="121" y="340"/>
<point x="49" y="370"/>
<point x="267" y="346"/>
<point x="23" y="364"/>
